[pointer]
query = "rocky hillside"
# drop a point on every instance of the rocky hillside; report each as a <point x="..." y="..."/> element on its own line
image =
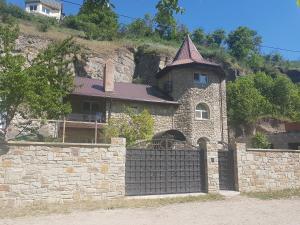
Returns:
<point x="135" y="60"/>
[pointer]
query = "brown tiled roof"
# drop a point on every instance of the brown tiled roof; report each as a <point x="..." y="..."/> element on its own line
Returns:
<point x="187" y="54"/>
<point x="123" y="91"/>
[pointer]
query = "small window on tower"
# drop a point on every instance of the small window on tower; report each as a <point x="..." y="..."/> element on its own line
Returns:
<point x="200" y="79"/>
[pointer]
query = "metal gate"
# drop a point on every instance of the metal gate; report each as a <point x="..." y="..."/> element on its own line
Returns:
<point x="164" y="167"/>
<point x="226" y="170"/>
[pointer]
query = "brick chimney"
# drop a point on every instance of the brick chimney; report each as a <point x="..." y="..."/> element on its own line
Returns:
<point x="109" y="77"/>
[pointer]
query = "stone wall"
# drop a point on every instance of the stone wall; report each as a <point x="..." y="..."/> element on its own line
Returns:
<point x="189" y="95"/>
<point x="58" y="173"/>
<point x="266" y="169"/>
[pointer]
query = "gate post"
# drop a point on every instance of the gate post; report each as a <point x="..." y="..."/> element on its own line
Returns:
<point x="212" y="167"/>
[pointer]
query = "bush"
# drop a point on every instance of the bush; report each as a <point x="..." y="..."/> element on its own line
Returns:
<point x="135" y="127"/>
<point x="260" y="141"/>
<point x="43" y="27"/>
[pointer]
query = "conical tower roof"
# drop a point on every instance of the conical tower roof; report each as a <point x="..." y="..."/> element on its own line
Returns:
<point x="188" y="53"/>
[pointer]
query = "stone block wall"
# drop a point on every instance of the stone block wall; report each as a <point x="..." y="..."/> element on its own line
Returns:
<point x="189" y="94"/>
<point x="267" y="169"/>
<point x="58" y="173"/>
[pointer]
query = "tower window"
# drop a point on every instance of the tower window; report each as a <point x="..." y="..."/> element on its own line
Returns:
<point x="202" y="112"/>
<point x="200" y="79"/>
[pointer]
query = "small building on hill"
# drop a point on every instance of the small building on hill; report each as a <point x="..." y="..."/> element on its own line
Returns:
<point x="50" y="8"/>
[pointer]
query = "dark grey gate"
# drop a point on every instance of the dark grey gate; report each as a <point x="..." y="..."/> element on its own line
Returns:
<point x="164" y="167"/>
<point x="226" y="170"/>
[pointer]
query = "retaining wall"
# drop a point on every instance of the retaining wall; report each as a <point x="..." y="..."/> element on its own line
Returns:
<point x="58" y="173"/>
<point x="266" y="169"/>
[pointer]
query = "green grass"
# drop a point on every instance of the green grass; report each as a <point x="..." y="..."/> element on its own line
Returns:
<point x="40" y="208"/>
<point x="269" y="195"/>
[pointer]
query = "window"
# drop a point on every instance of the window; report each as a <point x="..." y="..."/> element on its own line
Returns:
<point x="202" y="112"/>
<point x="33" y="7"/>
<point x="46" y="10"/>
<point x="90" y="107"/>
<point x="200" y="79"/>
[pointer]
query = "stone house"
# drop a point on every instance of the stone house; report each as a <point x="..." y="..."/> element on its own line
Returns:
<point x="187" y="101"/>
<point x="50" y="8"/>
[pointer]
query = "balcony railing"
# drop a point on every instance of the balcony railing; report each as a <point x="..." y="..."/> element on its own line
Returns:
<point x="99" y="117"/>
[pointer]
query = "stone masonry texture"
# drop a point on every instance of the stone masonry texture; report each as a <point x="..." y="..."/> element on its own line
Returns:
<point x="263" y="170"/>
<point x="59" y="173"/>
<point x="189" y="95"/>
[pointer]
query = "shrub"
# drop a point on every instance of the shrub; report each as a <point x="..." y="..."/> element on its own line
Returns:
<point x="43" y="27"/>
<point x="137" y="126"/>
<point x="260" y="141"/>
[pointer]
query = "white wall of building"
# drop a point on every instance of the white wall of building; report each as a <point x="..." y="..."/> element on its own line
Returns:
<point x="43" y="10"/>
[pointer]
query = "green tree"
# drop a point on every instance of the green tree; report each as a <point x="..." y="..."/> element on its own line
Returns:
<point x="97" y="19"/>
<point x="255" y="61"/>
<point x="286" y="97"/>
<point x="140" y="27"/>
<point x="245" y="103"/>
<point x="38" y="90"/>
<point x="199" y="36"/>
<point x="166" y="23"/>
<point x="181" y="32"/>
<point x="137" y="126"/>
<point x="260" y="141"/>
<point x="242" y="42"/>
<point x="298" y="3"/>
<point x="216" y="38"/>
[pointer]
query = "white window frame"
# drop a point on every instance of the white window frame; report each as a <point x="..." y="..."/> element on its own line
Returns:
<point x="34" y="8"/>
<point x="200" y="112"/>
<point x="202" y="79"/>
<point x="45" y="10"/>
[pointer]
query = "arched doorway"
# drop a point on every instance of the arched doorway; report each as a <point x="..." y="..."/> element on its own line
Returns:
<point x="202" y="142"/>
<point x="170" y="134"/>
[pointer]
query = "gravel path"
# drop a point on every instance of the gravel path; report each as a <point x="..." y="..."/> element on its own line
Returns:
<point x="234" y="211"/>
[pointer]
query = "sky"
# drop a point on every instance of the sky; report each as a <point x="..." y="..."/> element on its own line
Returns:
<point x="277" y="21"/>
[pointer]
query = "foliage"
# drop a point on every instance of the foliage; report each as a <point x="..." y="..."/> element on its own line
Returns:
<point x="44" y="26"/>
<point x="260" y="140"/>
<point x="245" y="102"/>
<point x="166" y="23"/>
<point x="260" y="95"/>
<point x="140" y="27"/>
<point x="199" y="36"/>
<point x="242" y="42"/>
<point x="181" y="32"/>
<point x="216" y="38"/>
<point x="96" y="18"/>
<point x="298" y="3"/>
<point x="135" y="127"/>
<point x="36" y="90"/>
<point x="256" y="62"/>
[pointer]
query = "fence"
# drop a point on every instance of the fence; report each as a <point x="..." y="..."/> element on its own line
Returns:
<point x="67" y="130"/>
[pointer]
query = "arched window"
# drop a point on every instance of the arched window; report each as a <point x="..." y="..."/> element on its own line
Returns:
<point x="202" y="112"/>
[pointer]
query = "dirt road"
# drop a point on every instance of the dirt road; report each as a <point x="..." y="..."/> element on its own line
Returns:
<point x="234" y="211"/>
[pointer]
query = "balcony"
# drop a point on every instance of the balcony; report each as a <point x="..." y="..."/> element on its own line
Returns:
<point x="99" y="117"/>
